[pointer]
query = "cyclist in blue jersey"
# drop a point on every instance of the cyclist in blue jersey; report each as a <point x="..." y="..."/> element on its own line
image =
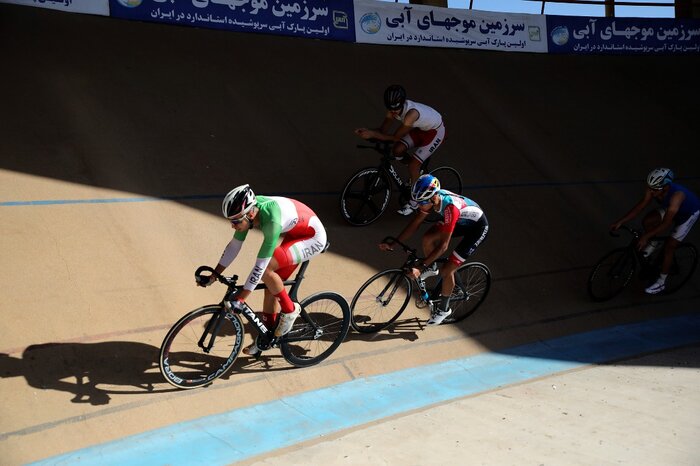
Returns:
<point x="461" y="217"/>
<point x="678" y="207"/>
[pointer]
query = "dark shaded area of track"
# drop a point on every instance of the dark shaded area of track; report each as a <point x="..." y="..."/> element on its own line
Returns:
<point x="553" y="147"/>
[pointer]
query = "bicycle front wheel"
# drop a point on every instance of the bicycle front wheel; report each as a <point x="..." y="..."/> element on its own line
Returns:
<point x="380" y="301"/>
<point x="183" y="360"/>
<point x="318" y="331"/>
<point x="472" y="285"/>
<point x="365" y="197"/>
<point x="685" y="260"/>
<point x="611" y="274"/>
<point x="449" y="179"/>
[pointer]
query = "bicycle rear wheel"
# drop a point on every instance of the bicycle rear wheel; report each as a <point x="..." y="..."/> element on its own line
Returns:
<point x="380" y="301"/>
<point x="318" y="331"/>
<point x="184" y="363"/>
<point x="685" y="260"/>
<point x="612" y="274"/>
<point x="365" y="197"/>
<point x="472" y="285"/>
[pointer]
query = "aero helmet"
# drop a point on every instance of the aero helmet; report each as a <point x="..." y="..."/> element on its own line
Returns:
<point x="238" y="201"/>
<point x="659" y="177"/>
<point x="424" y="188"/>
<point x="394" y="97"/>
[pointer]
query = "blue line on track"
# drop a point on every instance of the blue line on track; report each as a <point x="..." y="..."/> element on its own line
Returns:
<point x="236" y="435"/>
<point x="198" y="197"/>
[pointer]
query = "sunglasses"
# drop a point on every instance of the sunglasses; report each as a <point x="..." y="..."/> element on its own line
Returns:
<point x="238" y="221"/>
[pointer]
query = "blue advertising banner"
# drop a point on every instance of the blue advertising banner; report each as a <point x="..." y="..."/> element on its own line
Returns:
<point x="585" y="35"/>
<point x="318" y="19"/>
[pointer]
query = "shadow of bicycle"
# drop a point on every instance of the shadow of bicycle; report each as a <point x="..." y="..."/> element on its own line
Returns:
<point x="91" y="372"/>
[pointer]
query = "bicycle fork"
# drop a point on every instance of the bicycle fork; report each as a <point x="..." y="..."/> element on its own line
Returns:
<point x="212" y="329"/>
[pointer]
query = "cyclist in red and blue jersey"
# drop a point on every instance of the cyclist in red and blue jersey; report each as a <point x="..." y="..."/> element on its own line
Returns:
<point x="461" y="217"/>
<point x="302" y="237"/>
<point x="678" y="207"/>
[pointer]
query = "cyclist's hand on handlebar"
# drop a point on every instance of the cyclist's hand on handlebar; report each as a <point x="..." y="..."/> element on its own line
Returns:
<point x="238" y="304"/>
<point x="642" y="242"/>
<point x="413" y="272"/>
<point x="205" y="281"/>
<point x="364" y="133"/>
<point x="384" y="246"/>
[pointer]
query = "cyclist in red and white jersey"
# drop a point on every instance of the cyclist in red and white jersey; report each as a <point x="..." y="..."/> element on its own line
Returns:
<point x="421" y="129"/>
<point x="461" y="216"/>
<point x="302" y="237"/>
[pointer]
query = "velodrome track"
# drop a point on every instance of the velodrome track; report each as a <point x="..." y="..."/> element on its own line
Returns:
<point x="118" y="140"/>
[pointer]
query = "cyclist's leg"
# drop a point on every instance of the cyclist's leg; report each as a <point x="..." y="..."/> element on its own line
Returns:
<point x="678" y="234"/>
<point x="653" y="219"/>
<point x="473" y="234"/>
<point x="425" y="144"/>
<point x="431" y="240"/>
<point x="270" y="312"/>
<point x="288" y="256"/>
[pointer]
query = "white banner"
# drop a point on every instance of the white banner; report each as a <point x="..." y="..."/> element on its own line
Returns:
<point x="420" y="25"/>
<point x="94" y="7"/>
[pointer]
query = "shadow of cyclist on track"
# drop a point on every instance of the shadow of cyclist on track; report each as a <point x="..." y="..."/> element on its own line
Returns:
<point x="89" y="371"/>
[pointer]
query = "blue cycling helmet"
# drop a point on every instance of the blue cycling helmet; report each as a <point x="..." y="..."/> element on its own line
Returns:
<point x="659" y="177"/>
<point x="424" y="188"/>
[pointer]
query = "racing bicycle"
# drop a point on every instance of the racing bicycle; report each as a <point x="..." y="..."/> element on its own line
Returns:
<point x="367" y="193"/>
<point x="382" y="298"/>
<point x="614" y="271"/>
<point x="205" y="342"/>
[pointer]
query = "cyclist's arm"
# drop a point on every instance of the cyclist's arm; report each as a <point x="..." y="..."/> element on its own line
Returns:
<point x="382" y="133"/>
<point x="271" y="232"/>
<point x="413" y="225"/>
<point x="636" y="210"/>
<point x="451" y="216"/>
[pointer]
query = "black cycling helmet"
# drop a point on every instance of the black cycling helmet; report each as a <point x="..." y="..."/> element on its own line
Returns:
<point x="394" y="97"/>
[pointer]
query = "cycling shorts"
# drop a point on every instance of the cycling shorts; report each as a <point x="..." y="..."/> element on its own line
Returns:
<point x="425" y="142"/>
<point x="473" y="234"/>
<point x="297" y="249"/>
<point x="681" y="230"/>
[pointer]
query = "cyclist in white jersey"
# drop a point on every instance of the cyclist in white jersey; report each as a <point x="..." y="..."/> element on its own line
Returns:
<point x="421" y="129"/>
<point x="302" y="237"/>
<point x="460" y="217"/>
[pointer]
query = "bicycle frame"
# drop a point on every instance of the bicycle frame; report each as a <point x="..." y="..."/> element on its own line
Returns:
<point x="214" y="323"/>
<point x="387" y="166"/>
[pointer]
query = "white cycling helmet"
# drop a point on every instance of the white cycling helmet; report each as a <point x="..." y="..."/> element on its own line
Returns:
<point x="659" y="177"/>
<point x="238" y="201"/>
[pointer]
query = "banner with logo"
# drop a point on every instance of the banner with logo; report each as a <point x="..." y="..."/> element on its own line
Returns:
<point x="94" y="7"/>
<point x="571" y="34"/>
<point x="420" y="25"/>
<point x="320" y="19"/>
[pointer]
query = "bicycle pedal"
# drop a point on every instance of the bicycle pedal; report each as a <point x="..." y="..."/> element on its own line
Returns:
<point x="420" y="303"/>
